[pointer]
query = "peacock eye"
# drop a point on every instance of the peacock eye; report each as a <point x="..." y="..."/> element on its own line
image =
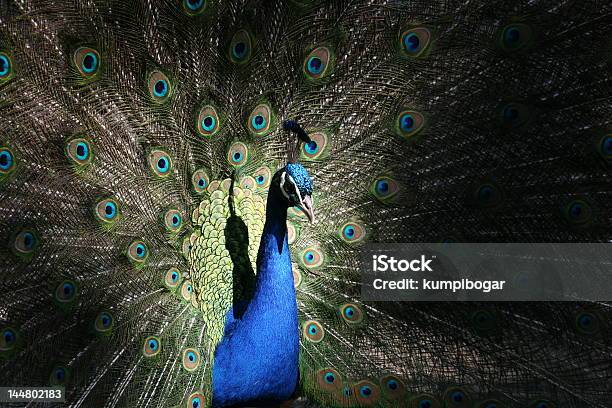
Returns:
<point x="8" y="339"/>
<point x="317" y="62"/>
<point x="515" y="37"/>
<point x="6" y="66"/>
<point x="578" y="212"/>
<point x="312" y="258"/>
<point x="260" y="120"/>
<point x="262" y="177"/>
<point x="313" y="331"/>
<point x="186" y="290"/>
<point x="107" y="210"/>
<point x="7" y="160"/>
<point x="587" y="323"/>
<point x="159" y="86"/>
<point x="289" y="187"/>
<point x="393" y="387"/>
<point x="240" y="47"/>
<point x="58" y="375"/>
<point x="138" y="252"/>
<point x="173" y="220"/>
<point x="152" y="346"/>
<point x="200" y="181"/>
<point x="191" y="359"/>
<point x="104" y="322"/>
<point x="384" y="188"/>
<point x="79" y="151"/>
<point x="605" y="146"/>
<point x="196" y="400"/>
<point x="409" y="123"/>
<point x="351" y="313"/>
<point x="26" y="242"/>
<point x="415" y="41"/>
<point x="208" y="121"/>
<point x="238" y="154"/>
<point x="87" y="61"/>
<point x="160" y="163"/>
<point x="172" y="278"/>
<point x="366" y="392"/>
<point x="193" y="7"/>
<point x="65" y="292"/>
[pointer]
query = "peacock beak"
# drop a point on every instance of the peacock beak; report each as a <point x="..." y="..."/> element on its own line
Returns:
<point x="306" y="207"/>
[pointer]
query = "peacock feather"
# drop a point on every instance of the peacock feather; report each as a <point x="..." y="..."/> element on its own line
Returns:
<point x="186" y="186"/>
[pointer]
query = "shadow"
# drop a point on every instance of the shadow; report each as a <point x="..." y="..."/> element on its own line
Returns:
<point x="237" y="244"/>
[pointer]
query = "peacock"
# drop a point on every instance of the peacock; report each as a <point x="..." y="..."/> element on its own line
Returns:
<point x="186" y="187"/>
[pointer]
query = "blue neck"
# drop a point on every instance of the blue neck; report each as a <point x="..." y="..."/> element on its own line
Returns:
<point x="257" y="359"/>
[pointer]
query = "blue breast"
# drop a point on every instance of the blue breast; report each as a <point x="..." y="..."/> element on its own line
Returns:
<point x="256" y="362"/>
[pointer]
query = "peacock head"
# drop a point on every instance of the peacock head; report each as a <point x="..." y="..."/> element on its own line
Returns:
<point x="295" y="185"/>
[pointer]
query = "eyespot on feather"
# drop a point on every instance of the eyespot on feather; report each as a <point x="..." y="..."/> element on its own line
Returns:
<point x="604" y="147"/>
<point x="424" y="400"/>
<point x="578" y="212"/>
<point x="187" y="290"/>
<point x="79" y="151"/>
<point x="65" y="292"/>
<point x="352" y="232"/>
<point x="208" y="122"/>
<point x="516" y="37"/>
<point x="191" y="359"/>
<point x="329" y="379"/>
<point x="196" y="400"/>
<point x="457" y="397"/>
<point x="292" y="232"/>
<point x="160" y="88"/>
<point x="104" y="322"/>
<point x="312" y="258"/>
<point x="173" y="220"/>
<point x="542" y="403"/>
<point x="8" y="339"/>
<point x="488" y="194"/>
<point x="26" y="242"/>
<point x="392" y="387"/>
<point x="7" y="161"/>
<point x="160" y="162"/>
<point x="172" y="278"/>
<point x="7" y="69"/>
<point x="318" y="147"/>
<point x="262" y="176"/>
<point x="260" y="120"/>
<point x="415" y="42"/>
<point x="313" y="331"/>
<point x="87" y="61"/>
<point x="240" y="48"/>
<point x="152" y="346"/>
<point x="107" y="210"/>
<point x="587" y="322"/>
<point x="59" y="375"/>
<point x="514" y="115"/>
<point x="317" y="63"/>
<point x="200" y="181"/>
<point x="490" y="403"/>
<point x="238" y="154"/>
<point x="297" y="276"/>
<point x="409" y="123"/>
<point x="384" y="189"/>
<point x="194" y="7"/>
<point x="351" y="313"/>
<point x="366" y="392"/>
<point x="138" y="252"/>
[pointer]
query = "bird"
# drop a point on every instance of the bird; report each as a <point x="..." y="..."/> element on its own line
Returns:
<point x="187" y="186"/>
